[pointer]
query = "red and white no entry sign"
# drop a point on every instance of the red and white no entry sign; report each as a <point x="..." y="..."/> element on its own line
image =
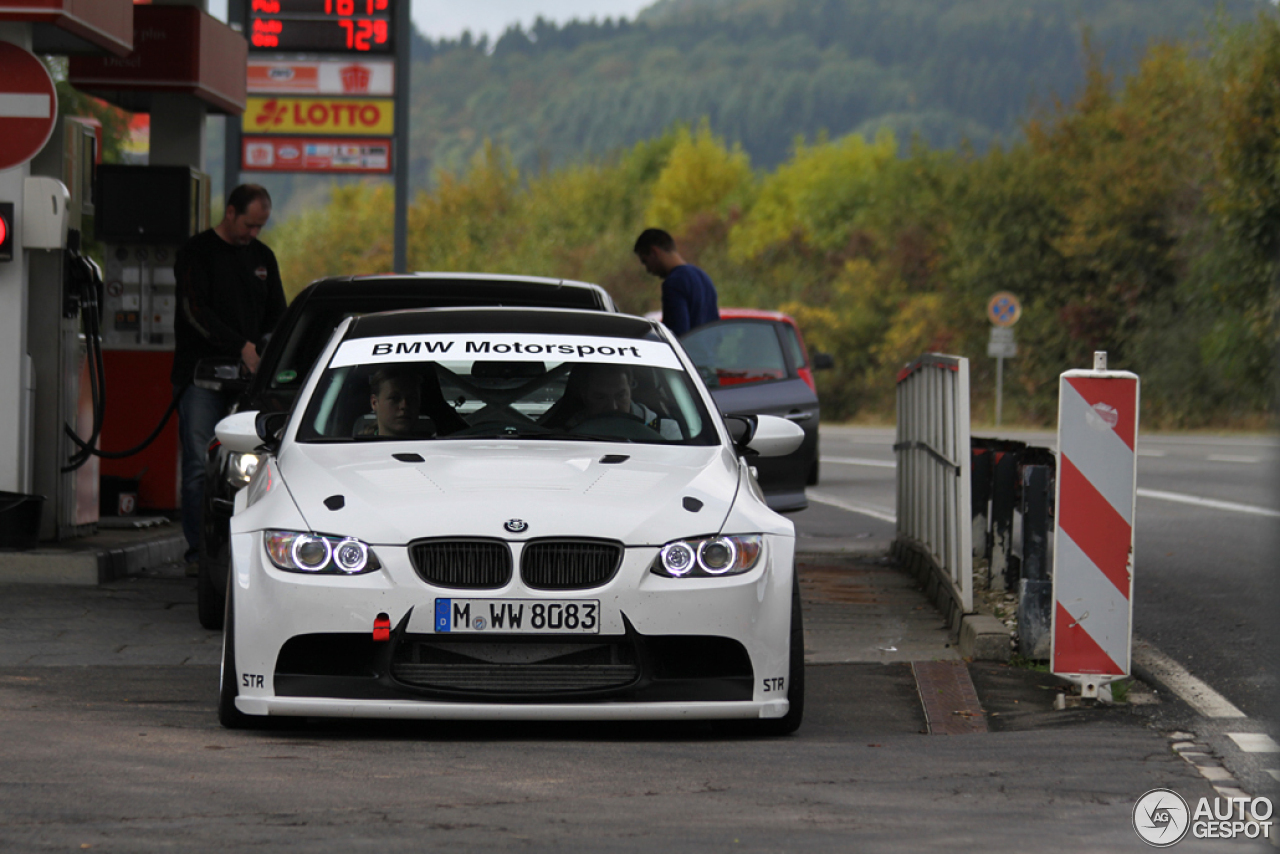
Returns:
<point x="28" y="105"/>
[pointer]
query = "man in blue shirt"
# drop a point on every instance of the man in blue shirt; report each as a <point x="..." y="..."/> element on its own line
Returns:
<point x="688" y="296"/>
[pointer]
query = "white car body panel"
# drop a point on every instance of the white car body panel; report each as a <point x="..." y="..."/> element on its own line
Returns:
<point x="558" y="488"/>
<point x="471" y="488"/>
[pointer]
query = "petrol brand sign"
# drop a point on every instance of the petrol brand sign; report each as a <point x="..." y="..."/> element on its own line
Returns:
<point x="323" y="154"/>
<point x="328" y="116"/>
<point x="322" y="77"/>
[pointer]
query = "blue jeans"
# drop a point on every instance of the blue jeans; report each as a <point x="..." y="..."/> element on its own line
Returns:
<point x="199" y="411"/>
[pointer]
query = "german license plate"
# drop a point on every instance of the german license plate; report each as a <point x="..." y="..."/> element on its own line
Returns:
<point x="524" y="616"/>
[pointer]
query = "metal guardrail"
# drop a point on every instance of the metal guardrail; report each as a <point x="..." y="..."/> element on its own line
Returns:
<point x="932" y="450"/>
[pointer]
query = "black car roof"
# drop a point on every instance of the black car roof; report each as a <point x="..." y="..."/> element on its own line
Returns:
<point x="461" y="289"/>
<point x="550" y="321"/>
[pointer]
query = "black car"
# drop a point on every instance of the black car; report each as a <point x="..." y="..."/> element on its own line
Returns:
<point x="755" y="361"/>
<point x="294" y="346"/>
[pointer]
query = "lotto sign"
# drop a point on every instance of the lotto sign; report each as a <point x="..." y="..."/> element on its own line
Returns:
<point x="28" y="105"/>
<point x="289" y="154"/>
<point x="1093" y="550"/>
<point x="362" y="116"/>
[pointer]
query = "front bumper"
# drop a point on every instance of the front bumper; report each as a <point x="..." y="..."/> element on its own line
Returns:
<point x="696" y="648"/>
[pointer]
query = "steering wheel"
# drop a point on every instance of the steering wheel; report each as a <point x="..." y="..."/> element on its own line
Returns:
<point x="621" y="425"/>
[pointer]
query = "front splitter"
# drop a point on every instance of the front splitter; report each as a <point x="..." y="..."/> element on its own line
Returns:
<point x="410" y="710"/>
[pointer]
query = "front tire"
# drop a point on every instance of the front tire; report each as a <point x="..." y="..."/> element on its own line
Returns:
<point x="790" y="722"/>
<point x="228" y="715"/>
<point x="211" y="604"/>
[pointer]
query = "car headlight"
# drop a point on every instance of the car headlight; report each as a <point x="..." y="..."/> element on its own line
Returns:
<point x="316" y="554"/>
<point x="240" y="468"/>
<point x="709" y="556"/>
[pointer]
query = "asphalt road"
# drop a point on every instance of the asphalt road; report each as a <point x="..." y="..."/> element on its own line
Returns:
<point x="111" y="743"/>
<point x="1207" y="589"/>
<point x="129" y="757"/>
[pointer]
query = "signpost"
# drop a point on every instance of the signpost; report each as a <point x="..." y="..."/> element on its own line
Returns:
<point x="28" y="105"/>
<point x="329" y="82"/>
<point x="1003" y="310"/>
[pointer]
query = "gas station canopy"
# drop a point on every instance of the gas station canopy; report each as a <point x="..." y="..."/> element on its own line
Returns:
<point x="177" y="50"/>
<point x="75" y="26"/>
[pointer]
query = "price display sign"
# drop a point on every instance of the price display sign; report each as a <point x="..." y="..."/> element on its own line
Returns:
<point x="320" y="26"/>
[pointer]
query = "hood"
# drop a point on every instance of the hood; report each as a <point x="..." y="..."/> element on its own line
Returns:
<point x="473" y="488"/>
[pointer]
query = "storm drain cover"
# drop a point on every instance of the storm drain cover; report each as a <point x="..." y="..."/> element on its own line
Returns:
<point x="950" y="701"/>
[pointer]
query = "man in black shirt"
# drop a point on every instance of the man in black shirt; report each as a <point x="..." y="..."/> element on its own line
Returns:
<point x="229" y="296"/>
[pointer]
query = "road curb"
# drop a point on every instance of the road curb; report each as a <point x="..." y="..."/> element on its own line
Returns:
<point x="983" y="638"/>
<point x="94" y="560"/>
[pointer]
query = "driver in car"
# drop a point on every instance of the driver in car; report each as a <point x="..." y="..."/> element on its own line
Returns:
<point x="605" y="389"/>
<point x="396" y="398"/>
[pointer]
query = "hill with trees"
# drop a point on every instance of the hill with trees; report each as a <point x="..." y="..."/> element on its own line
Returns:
<point x="1141" y="216"/>
<point x="764" y="72"/>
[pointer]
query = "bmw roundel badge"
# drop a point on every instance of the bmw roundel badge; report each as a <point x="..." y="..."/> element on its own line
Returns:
<point x="516" y="526"/>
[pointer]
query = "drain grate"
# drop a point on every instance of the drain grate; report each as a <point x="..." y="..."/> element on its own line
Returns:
<point x="950" y="702"/>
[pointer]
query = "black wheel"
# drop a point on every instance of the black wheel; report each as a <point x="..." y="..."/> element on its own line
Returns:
<point x="790" y="722"/>
<point x="228" y="715"/>
<point x="211" y="604"/>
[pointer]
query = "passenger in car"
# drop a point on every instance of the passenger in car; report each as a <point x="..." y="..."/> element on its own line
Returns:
<point x="396" y="398"/>
<point x="400" y="395"/>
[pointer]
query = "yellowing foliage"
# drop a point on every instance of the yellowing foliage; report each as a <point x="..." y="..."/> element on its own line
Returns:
<point x="701" y="176"/>
<point x="817" y="197"/>
<point x="1142" y="220"/>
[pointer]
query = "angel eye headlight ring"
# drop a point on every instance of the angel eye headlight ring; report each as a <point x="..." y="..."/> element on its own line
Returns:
<point x="717" y="556"/>
<point x="677" y="558"/>
<point x="311" y="554"/>
<point x="319" y="554"/>
<point x="709" y="557"/>
<point x="351" y="555"/>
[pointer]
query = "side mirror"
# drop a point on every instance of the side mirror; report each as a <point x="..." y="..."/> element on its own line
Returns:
<point x="775" y="437"/>
<point x="239" y="432"/>
<point x="822" y="361"/>
<point x="220" y="374"/>
<point x="270" y="427"/>
<point x="741" y="429"/>
<point x="248" y="432"/>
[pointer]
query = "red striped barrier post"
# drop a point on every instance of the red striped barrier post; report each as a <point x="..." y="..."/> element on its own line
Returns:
<point x="1093" y="545"/>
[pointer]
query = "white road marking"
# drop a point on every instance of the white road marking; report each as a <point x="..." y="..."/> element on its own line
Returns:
<point x="860" y="461"/>
<point x="1232" y="458"/>
<point x="1179" y="498"/>
<point x="881" y="513"/>
<point x="1198" y="695"/>
<point x="1274" y="773"/>
<point x="1254" y="742"/>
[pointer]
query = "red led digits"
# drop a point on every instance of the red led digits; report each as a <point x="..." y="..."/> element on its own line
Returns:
<point x="344" y="7"/>
<point x="324" y="26"/>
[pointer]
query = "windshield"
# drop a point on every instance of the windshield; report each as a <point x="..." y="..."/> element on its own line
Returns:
<point x="510" y="386"/>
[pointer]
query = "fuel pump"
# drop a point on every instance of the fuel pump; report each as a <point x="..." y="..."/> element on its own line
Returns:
<point x="57" y="209"/>
<point x="146" y="213"/>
